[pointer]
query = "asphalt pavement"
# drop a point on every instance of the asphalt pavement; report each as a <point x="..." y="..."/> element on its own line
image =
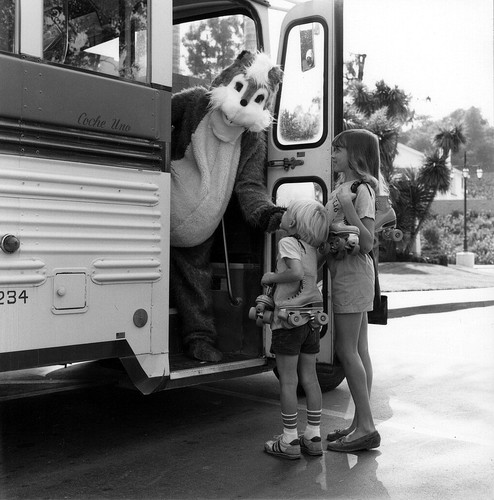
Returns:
<point x="418" y="288"/>
<point x="432" y="397"/>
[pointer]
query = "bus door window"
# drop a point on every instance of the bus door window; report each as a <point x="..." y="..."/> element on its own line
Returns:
<point x="97" y="35"/>
<point x="204" y="48"/>
<point x="301" y="110"/>
<point x="296" y="190"/>
<point x="289" y="191"/>
<point x="7" y="25"/>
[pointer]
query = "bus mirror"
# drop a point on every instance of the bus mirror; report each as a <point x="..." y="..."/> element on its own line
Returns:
<point x="307" y="60"/>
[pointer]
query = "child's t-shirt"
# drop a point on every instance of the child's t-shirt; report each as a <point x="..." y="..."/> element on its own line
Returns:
<point x="364" y="203"/>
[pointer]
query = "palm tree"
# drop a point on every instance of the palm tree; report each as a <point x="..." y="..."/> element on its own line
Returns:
<point x="387" y="130"/>
<point x="395" y="100"/>
<point x="382" y="111"/>
<point x="435" y="175"/>
<point x="411" y="199"/>
<point x="450" y="141"/>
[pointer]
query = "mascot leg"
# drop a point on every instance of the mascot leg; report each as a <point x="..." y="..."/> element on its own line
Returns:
<point x="190" y="286"/>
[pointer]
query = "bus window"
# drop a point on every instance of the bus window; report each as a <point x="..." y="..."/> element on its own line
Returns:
<point x="297" y="190"/>
<point x="289" y="191"/>
<point x="107" y="37"/>
<point x="301" y="116"/>
<point x="204" y="48"/>
<point x="7" y="25"/>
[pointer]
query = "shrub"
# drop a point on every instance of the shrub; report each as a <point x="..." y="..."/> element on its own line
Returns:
<point x="442" y="237"/>
<point x="431" y="235"/>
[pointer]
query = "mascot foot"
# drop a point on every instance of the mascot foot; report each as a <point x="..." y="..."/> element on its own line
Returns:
<point x="204" y="351"/>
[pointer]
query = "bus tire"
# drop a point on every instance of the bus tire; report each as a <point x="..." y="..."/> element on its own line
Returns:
<point x="329" y="376"/>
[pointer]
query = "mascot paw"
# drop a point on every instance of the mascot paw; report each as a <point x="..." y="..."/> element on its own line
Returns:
<point x="204" y="351"/>
<point x="275" y="219"/>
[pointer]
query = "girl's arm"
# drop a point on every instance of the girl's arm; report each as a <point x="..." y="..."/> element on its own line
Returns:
<point x="323" y="254"/>
<point x="365" y="225"/>
<point x="294" y="272"/>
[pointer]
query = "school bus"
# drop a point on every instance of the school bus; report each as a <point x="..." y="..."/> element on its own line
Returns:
<point x="85" y="101"/>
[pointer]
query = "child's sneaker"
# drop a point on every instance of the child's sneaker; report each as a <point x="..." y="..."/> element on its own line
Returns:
<point x="311" y="446"/>
<point x="279" y="448"/>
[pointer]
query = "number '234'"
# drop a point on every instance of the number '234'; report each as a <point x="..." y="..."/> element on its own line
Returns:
<point x="12" y="297"/>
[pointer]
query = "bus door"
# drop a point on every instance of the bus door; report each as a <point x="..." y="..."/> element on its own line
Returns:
<point x="84" y="196"/>
<point x="309" y="113"/>
<point x="207" y="37"/>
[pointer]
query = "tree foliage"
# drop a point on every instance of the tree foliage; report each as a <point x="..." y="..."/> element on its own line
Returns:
<point x="435" y="175"/>
<point x="449" y="140"/>
<point x="212" y="45"/>
<point x="443" y="235"/>
<point x="385" y="111"/>
<point x="7" y="22"/>
<point x="297" y="126"/>
<point x="382" y="110"/>
<point x="478" y="135"/>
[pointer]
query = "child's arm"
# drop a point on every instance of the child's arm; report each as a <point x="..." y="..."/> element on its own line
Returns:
<point x="365" y="225"/>
<point x="294" y="272"/>
<point x="323" y="254"/>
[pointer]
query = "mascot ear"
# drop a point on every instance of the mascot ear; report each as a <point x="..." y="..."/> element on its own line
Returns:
<point x="247" y="55"/>
<point x="243" y="60"/>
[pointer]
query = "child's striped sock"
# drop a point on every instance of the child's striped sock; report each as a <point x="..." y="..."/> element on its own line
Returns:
<point x="313" y="424"/>
<point x="289" y="427"/>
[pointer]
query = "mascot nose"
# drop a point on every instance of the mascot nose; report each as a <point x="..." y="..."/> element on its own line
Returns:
<point x="243" y="102"/>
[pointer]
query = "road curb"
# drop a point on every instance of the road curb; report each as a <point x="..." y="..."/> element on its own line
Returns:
<point x="437" y="308"/>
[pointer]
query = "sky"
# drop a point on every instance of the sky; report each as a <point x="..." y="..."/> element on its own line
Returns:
<point x="437" y="49"/>
<point x="442" y="49"/>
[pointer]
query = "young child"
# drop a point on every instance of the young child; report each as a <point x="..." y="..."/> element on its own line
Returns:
<point x="306" y="224"/>
<point x="356" y="161"/>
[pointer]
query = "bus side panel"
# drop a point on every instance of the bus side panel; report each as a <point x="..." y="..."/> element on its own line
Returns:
<point x="53" y="94"/>
<point x="92" y="266"/>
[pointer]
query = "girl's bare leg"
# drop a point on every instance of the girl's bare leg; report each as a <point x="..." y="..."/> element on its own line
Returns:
<point x="348" y="329"/>
<point x="363" y="350"/>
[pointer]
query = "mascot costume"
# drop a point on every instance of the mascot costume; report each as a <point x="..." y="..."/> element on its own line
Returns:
<point x="218" y="147"/>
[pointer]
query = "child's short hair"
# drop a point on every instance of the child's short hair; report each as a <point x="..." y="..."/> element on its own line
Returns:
<point x="311" y="219"/>
<point x="363" y="154"/>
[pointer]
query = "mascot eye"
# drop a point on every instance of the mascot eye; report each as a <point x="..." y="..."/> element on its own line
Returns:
<point x="259" y="99"/>
<point x="239" y="86"/>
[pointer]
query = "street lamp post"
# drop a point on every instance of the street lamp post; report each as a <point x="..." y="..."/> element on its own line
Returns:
<point x="466" y="258"/>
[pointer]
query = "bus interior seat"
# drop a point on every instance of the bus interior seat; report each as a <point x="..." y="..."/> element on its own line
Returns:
<point x="181" y="82"/>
